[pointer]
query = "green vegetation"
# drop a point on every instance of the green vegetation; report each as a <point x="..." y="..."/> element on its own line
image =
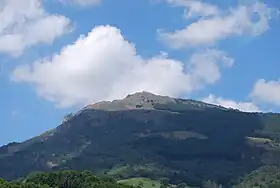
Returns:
<point x="143" y="182"/>
<point x="63" y="179"/>
<point x="176" y="135"/>
<point x="127" y="171"/>
<point x="264" y="177"/>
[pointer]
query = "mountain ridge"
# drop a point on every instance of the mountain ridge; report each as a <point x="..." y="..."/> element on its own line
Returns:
<point x="181" y="139"/>
<point x="145" y="100"/>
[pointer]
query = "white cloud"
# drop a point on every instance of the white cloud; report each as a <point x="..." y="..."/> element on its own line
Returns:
<point x="25" y="23"/>
<point x="82" y="2"/>
<point x="196" y="8"/>
<point x="227" y="103"/>
<point x="204" y="67"/>
<point x="252" y="20"/>
<point x="104" y="66"/>
<point x="267" y="91"/>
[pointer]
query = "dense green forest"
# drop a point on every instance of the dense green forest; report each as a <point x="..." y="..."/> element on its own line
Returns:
<point x="63" y="179"/>
<point x="183" y="141"/>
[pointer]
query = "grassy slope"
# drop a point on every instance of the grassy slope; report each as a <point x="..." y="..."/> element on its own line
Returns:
<point x="147" y="183"/>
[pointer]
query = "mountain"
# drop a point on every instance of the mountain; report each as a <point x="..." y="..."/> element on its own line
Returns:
<point x="146" y="135"/>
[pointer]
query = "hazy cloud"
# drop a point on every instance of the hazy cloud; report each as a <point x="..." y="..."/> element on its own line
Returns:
<point x="82" y="2"/>
<point x="242" y="106"/>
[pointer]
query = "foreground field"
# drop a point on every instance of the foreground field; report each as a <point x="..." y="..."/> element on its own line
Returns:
<point x="146" y="182"/>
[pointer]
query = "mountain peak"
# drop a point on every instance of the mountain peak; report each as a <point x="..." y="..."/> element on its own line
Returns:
<point x="147" y="100"/>
<point x="140" y="94"/>
<point x="147" y="97"/>
<point x="138" y="100"/>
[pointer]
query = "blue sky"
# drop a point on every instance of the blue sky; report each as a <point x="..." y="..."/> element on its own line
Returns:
<point x="67" y="54"/>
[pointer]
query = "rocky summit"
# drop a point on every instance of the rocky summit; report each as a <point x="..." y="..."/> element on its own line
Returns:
<point x="146" y="100"/>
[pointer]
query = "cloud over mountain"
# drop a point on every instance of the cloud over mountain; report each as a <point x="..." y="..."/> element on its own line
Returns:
<point x="267" y="91"/>
<point x="228" y="103"/>
<point x="103" y="65"/>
